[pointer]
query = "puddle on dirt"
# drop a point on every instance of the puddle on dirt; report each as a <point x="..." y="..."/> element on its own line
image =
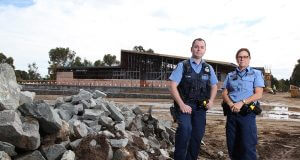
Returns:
<point x="278" y="111"/>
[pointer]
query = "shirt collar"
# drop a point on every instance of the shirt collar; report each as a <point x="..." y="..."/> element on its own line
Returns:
<point x="247" y="69"/>
<point x="192" y="61"/>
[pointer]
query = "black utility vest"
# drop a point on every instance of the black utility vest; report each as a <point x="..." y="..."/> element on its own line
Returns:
<point x="194" y="86"/>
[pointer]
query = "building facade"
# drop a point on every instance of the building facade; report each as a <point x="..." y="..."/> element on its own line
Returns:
<point x="136" y="68"/>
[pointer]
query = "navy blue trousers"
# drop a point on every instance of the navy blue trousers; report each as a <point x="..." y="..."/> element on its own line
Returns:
<point x="241" y="135"/>
<point x="189" y="133"/>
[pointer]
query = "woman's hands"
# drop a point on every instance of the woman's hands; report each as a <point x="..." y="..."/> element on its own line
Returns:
<point x="236" y="107"/>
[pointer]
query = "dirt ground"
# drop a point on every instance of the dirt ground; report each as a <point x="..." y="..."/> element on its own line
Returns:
<point x="277" y="138"/>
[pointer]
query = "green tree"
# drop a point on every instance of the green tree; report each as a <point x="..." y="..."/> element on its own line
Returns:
<point x="87" y="63"/>
<point x="77" y="62"/>
<point x="60" y="57"/>
<point x="139" y="48"/>
<point x="150" y="50"/>
<point x="8" y="60"/>
<point x="21" y="75"/>
<point x="295" y="78"/>
<point x="117" y="62"/>
<point x="274" y="81"/>
<point x="99" y="63"/>
<point x="33" y="72"/>
<point x="47" y="77"/>
<point x="109" y="59"/>
<point x="283" y="85"/>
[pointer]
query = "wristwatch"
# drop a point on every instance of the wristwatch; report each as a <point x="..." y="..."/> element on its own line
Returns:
<point x="244" y="101"/>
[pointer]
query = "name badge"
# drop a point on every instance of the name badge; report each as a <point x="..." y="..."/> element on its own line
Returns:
<point x="205" y="77"/>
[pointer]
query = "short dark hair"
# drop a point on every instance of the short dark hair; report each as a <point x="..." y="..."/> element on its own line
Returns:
<point x="242" y="49"/>
<point x="198" y="39"/>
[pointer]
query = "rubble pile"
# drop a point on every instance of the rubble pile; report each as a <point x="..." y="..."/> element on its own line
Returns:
<point x="83" y="126"/>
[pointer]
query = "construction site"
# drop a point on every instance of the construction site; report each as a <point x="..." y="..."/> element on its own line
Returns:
<point x="141" y="80"/>
<point x="278" y="126"/>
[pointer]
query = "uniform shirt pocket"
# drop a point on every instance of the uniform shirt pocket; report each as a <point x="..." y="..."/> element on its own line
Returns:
<point x="248" y="83"/>
<point x="233" y="86"/>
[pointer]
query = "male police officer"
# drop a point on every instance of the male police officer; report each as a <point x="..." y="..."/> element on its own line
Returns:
<point x="242" y="87"/>
<point x="193" y="87"/>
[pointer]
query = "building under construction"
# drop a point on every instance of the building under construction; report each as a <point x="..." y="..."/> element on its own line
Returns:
<point x="141" y="67"/>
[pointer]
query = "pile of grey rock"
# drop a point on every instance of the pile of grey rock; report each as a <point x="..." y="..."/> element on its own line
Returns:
<point x="83" y="126"/>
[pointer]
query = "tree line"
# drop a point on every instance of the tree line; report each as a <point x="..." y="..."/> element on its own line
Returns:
<point x="284" y="84"/>
<point x="58" y="57"/>
<point x="64" y="57"/>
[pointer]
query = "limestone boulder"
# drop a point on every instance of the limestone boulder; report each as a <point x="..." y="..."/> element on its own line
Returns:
<point x="26" y="97"/>
<point x="9" y="89"/>
<point x="49" y="120"/>
<point x="22" y="135"/>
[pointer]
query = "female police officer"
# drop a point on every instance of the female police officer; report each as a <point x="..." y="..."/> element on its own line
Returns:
<point x="241" y="87"/>
<point x="192" y="82"/>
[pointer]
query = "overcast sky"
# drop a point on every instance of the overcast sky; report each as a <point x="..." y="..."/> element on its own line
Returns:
<point x="92" y="28"/>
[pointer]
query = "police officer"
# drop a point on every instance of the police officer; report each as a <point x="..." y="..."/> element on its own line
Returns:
<point x="193" y="81"/>
<point x="242" y="86"/>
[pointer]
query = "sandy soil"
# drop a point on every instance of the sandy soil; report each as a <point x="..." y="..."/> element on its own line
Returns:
<point x="277" y="139"/>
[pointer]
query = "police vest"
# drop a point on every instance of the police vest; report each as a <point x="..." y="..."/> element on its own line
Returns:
<point x="194" y="86"/>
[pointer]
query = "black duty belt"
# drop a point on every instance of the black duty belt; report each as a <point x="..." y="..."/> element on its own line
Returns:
<point x="174" y="110"/>
<point x="245" y="110"/>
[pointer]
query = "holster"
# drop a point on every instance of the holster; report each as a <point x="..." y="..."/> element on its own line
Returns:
<point x="173" y="112"/>
<point x="203" y="104"/>
<point x="226" y="108"/>
<point x="251" y="107"/>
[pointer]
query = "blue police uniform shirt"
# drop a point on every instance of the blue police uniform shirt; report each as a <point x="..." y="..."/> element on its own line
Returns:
<point x="176" y="75"/>
<point x="241" y="84"/>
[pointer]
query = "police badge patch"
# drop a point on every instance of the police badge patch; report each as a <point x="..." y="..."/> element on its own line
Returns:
<point x="206" y="69"/>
